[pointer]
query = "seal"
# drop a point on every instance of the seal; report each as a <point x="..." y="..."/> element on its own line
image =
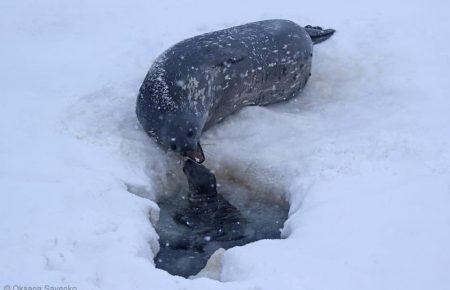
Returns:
<point x="200" y="81"/>
<point x="194" y="224"/>
<point x="208" y="213"/>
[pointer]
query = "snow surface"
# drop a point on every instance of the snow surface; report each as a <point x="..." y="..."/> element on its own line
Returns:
<point x="363" y="155"/>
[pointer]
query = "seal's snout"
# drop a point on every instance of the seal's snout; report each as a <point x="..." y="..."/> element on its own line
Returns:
<point x="187" y="148"/>
<point x="195" y="153"/>
<point x="200" y="178"/>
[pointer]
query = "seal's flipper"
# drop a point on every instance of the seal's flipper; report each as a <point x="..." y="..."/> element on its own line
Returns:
<point x="318" y="34"/>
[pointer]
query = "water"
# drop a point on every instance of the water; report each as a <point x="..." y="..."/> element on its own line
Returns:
<point x="185" y="251"/>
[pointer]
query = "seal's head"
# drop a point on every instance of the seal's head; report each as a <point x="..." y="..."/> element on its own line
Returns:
<point x="182" y="134"/>
<point x="176" y="131"/>
<point x="202" y="181"/>
<point x="170" y="120"/>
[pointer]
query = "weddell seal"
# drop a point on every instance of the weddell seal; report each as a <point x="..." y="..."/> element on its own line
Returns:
<point x="201" y="80"/>
<point x="208" y="212"/>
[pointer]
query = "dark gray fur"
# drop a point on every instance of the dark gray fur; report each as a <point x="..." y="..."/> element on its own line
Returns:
<point x="202" y="80"/>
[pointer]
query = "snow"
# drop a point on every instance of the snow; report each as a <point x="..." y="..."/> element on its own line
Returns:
<point x="362" y="155"/>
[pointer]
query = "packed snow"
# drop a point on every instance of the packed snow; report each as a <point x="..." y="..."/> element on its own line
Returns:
<point x="362" y="155"/>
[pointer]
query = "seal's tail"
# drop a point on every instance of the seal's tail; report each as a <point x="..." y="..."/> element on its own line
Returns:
<point x="318" y="34"/>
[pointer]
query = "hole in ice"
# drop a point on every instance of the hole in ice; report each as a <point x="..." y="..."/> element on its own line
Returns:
<point x="193" y="226"/>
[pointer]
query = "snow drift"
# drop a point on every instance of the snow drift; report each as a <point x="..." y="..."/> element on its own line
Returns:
<point x="362" y="155"/>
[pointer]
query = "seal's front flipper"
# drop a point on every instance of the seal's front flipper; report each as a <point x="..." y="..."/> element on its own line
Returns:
<point x="318" y="34"/>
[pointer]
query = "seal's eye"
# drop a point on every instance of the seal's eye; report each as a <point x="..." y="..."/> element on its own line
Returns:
<point x="173" y="146"/>
<point x="190" y="133"/>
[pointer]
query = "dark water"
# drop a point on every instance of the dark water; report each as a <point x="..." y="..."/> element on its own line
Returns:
<point x="185" y="251"/>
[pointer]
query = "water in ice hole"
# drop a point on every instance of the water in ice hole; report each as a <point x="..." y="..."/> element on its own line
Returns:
<point x="263" y="217"/>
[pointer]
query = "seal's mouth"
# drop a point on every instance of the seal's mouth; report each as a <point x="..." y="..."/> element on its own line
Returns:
<point x="196" y="155"/>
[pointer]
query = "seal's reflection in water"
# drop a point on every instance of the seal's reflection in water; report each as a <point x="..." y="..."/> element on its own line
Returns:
<point x="193" y="226"/>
